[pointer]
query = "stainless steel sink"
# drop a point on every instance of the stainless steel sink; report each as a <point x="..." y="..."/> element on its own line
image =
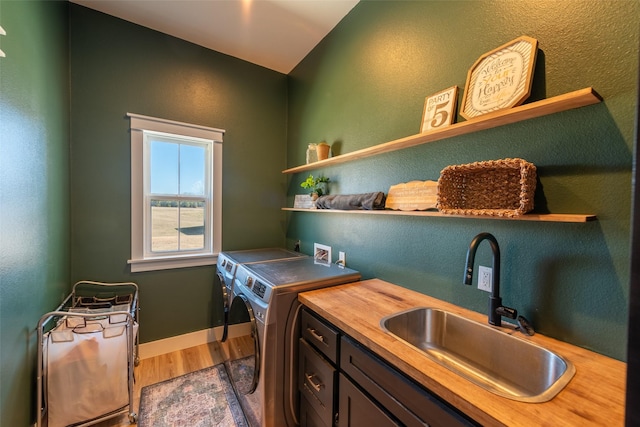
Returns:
<point x="503" y="364"/>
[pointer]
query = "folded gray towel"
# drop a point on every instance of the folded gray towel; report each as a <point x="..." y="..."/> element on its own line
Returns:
<point x="367" y="201"/>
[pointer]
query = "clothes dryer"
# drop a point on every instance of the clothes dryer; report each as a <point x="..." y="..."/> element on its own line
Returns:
<point x="226" y="269"/>
<point x="264" y="372"/>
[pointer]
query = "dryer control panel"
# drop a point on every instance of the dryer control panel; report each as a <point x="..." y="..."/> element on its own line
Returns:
<point x="252" y="286"/>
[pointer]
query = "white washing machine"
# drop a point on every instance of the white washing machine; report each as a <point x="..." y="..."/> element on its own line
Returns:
<point x="266" y="296"/>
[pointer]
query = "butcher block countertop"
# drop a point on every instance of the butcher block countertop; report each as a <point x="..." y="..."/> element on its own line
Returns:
<point x="595" y="395"/>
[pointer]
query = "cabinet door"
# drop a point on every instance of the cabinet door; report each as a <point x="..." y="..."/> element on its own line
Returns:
<point x="316" y="382"/>
<point x="309" y="417"/>
<point x="401" y="397"/>
<point x="356" y="410"/>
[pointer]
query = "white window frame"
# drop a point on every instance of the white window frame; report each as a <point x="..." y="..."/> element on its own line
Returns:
<point x="141" y="258"/>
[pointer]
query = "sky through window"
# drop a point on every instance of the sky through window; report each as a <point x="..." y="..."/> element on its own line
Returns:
<point x="177" y="168"/>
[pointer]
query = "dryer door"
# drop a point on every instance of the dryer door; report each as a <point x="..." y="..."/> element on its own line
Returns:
<point x="225" y="305"/>
<point x="243" y="363"/>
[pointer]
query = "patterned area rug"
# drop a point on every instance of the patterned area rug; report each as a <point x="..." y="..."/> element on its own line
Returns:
<point x="241" y="371"/>
<point x="203" y="398"/>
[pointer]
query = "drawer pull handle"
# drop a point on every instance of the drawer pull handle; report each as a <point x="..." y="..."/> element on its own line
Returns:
<point x="316" y="386"/>
<point x="316" y="335"/>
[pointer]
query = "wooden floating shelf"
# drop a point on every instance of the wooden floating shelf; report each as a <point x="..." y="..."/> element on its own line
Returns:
<point x="568" y="101"/>
<point x="575" y="218"/>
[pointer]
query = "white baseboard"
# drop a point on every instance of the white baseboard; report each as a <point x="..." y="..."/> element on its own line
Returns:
<point x="192" y="339"/>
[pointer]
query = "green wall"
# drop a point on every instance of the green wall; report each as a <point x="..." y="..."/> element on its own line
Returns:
<point x="67" y="185"/>
<point x="34" y="190"/>
<point x="365" y="84"/>
<point x="118" y="67"/>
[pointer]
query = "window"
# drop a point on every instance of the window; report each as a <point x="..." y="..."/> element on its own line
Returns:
<point x="176" y="186"/>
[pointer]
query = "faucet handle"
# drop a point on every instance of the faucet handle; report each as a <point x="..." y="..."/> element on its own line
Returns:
<point x="509" y="312"/>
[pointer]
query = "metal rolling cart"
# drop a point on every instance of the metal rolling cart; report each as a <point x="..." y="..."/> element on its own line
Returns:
<point x="87" y="350"/>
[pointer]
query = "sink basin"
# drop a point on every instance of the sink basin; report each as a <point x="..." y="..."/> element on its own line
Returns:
<point x="503" y="364"/>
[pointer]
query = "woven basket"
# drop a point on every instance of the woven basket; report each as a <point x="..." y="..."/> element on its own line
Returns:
<point x="502" y="188"/>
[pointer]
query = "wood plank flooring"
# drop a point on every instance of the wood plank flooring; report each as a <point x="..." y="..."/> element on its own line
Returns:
<point x="166" y="366"/>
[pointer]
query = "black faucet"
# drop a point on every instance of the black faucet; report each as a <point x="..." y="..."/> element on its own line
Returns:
<point x="496" y="309"/>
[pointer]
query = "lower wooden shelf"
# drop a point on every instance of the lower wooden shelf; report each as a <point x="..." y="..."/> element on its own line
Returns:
<point x="575" y="218"/>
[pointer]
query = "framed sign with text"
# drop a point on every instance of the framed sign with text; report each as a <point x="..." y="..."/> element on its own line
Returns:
<point x="439" y="109"/>
<point x="500" y="79"/>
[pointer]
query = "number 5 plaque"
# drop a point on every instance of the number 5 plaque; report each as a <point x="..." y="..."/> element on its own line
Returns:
<point x="439" y="109"/>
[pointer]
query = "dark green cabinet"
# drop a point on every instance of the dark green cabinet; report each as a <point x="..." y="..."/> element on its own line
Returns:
<point x="343" y="384"/>
<point x="356" y="409"/>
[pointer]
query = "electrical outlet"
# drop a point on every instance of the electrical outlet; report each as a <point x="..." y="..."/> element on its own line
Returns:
<point x="342" y="259"/>
<point x="484" y="278"/>
<point x="322" y="253"/>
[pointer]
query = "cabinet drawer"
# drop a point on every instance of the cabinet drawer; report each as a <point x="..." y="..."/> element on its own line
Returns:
<point x="403" y="398"/>
<point x="357" y="410"/>
<point x="319" y="333"/>
<point x="316" y="382"/>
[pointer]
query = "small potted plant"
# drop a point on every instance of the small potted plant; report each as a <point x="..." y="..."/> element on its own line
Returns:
<point x="316" y="186"/>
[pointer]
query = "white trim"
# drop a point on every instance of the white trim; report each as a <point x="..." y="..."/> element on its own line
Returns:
<point x="192" y="339"/>
<point x="140" y="124"/>
<point x="152" y="264"/>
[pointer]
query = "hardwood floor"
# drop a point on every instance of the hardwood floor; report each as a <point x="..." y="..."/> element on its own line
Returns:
<point x="166" y="366"/>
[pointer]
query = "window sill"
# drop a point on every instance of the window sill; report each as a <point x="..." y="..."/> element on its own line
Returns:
<point x="152" y="264"/>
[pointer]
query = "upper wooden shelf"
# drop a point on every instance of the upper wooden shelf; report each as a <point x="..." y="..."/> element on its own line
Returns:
<point x="576" y="218"/>
<point x="569" y="101"/>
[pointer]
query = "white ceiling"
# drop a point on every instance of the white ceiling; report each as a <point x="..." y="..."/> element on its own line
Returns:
<point x="275" y="34"/>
